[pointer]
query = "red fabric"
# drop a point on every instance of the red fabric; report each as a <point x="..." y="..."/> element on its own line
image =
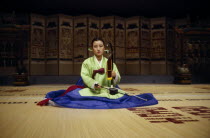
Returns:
<point x="101" y="71"/>
<point x="73" y="87"/>
<point x="45" y="101"/>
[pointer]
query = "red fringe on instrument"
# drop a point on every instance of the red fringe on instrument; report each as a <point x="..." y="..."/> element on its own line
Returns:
<point x="45" y="101"/>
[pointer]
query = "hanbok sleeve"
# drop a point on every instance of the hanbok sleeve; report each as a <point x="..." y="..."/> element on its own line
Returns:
<point x="87" y="75"/>
<point x="118" y="77"/>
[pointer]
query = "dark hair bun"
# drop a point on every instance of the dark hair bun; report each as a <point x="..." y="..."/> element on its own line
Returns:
<point x="97" y="39"/>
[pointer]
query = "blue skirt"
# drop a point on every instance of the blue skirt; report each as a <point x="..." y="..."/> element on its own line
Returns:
<point x="73" y="99"/>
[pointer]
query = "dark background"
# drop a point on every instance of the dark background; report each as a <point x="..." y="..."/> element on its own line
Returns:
<point x="124" y="8"/>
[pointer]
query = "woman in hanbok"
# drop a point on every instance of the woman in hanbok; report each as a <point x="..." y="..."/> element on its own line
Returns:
<point x="92" y="90"/>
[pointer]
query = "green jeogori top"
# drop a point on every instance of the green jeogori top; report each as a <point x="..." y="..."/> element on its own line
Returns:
<point x="88" y="66"/>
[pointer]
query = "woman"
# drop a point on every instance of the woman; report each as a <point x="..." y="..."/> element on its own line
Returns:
<point x="95" y="81"/>
<point x="91" y="91"/>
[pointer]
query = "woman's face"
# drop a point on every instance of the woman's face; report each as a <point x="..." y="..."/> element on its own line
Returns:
<point x="98" y="48"/>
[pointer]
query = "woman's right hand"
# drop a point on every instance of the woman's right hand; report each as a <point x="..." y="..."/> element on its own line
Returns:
<point x="97" y="86"/>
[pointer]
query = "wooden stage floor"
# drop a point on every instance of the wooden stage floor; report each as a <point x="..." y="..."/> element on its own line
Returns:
<point x="183" y="111"/>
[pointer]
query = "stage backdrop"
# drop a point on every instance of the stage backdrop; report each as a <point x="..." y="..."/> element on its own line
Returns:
<point x="158" y="46"/>
<point x="65" y="45"/>
<point x="37" y="45"/>
<point x="145" y="45"/>
<point x="132" y="46"/>
<point x="58" y="44"/>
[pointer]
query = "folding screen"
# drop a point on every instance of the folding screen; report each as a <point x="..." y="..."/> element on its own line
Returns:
<point x="158" y="45"/>
<point x="145" y="41"/>
<point x="132" y="46"/>
<point x="65" y="45"/>
<point x="80" y="42"/>
<point x="37" y="49"/>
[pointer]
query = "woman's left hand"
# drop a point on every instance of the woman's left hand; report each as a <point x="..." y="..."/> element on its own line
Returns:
<point x="113" y="74"/>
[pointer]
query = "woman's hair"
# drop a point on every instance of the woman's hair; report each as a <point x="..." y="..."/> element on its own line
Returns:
<point x="97" y="39"/>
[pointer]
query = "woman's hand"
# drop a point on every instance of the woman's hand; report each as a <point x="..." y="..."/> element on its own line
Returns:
<point x="113" y="74"/>
<point x="97" y="86"/>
